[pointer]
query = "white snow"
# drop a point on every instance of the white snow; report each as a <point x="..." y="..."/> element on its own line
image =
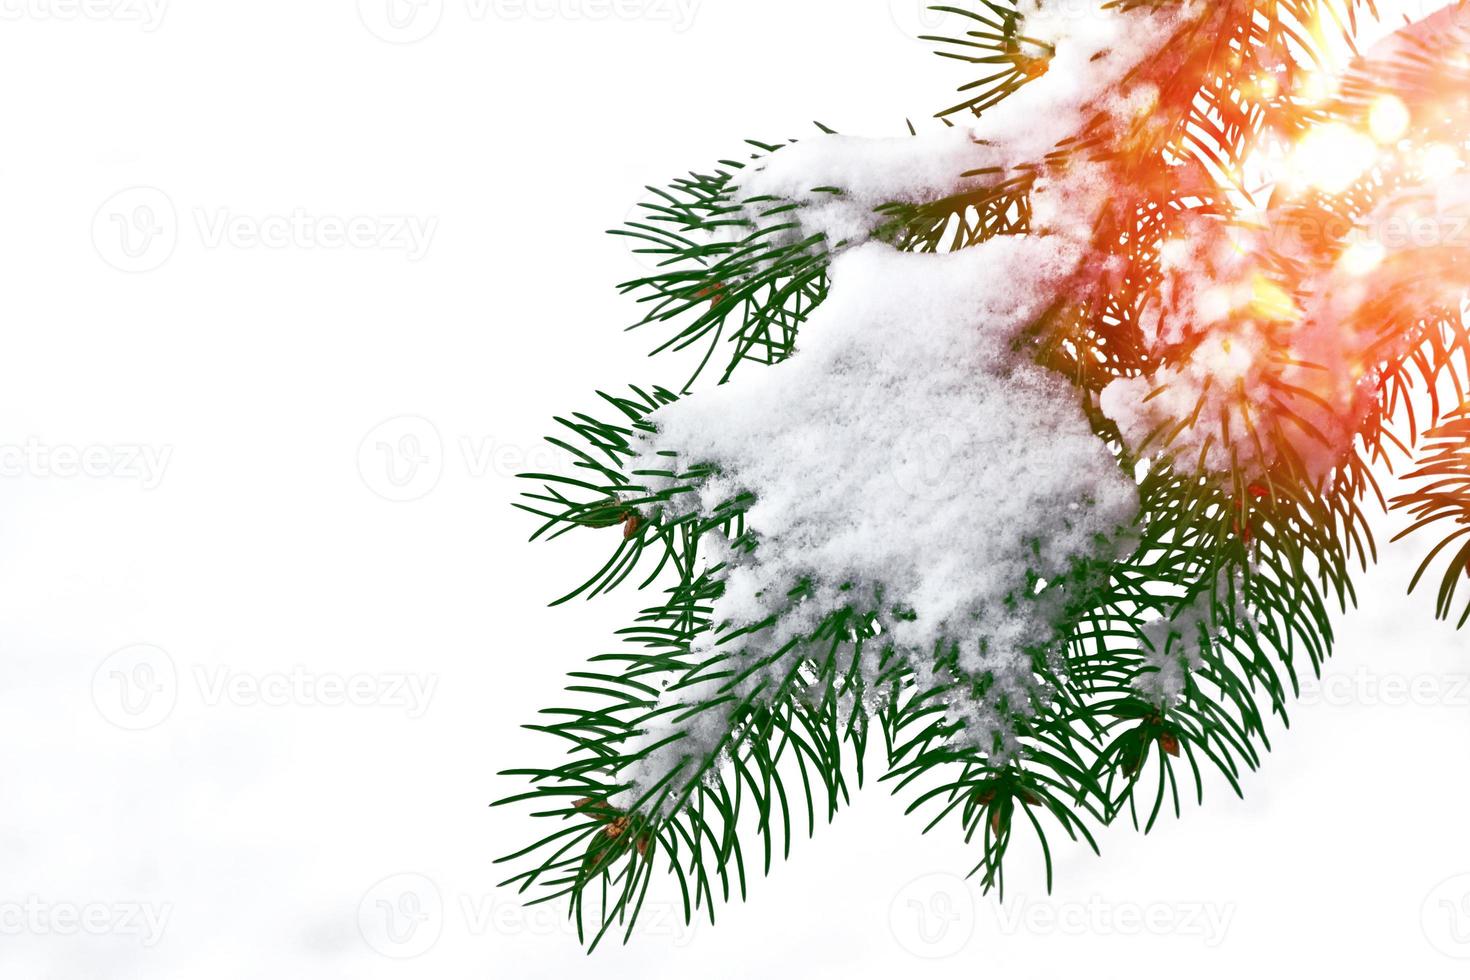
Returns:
<point x="266" y="830"/>
<point x="911" y="458"/>
<point x="838" y="181"/>
<point x="906" y="444"/>
<point x="1095" y="49"/>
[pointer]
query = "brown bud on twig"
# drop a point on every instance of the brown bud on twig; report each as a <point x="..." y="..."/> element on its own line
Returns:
<point x="615" y="829"/>
<point x="1029" y="66"/>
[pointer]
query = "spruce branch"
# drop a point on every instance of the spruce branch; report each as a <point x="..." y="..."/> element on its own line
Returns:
<point x="1170" y="644"/>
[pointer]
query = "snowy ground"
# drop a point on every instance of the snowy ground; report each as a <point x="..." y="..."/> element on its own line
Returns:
<point x="261" y="667"/>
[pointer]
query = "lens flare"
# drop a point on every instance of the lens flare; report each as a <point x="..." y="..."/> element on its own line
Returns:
<point x="1314" y="87"/>
<point x="1361" y="258"/>
<point x="1332" y="158"/>
<point x="1438" y="162"/>
<point x="1271" y="302"/>
<point x="1389" y="119"/>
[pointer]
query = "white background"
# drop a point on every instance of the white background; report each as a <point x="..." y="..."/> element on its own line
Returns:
<point x="263" y="827"/>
